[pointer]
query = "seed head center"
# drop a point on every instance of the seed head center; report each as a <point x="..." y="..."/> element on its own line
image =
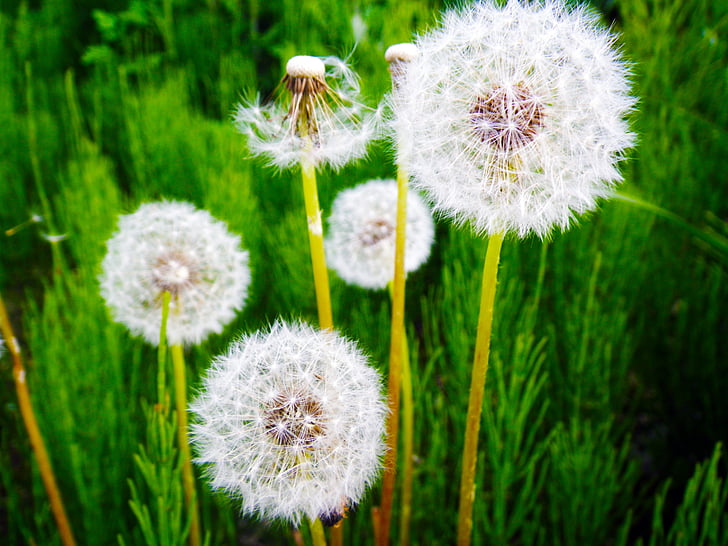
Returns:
<point x="173" y="272"/>
<point x="294" y="419"/>
<point x="375" y="231"/>
<point x="507" y="118"/>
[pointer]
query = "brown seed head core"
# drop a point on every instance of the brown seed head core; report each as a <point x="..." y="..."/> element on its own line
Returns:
<point x="294" y="419"/>
<point x="174" y="272"/>
<point x="507" y="118"/>
<point x="375" y="231"/>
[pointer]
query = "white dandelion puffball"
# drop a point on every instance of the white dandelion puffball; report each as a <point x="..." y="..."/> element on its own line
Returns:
<point x="360" y="244"/>
<point x="319" y="120"/>
<point x="291" y="422"/>
<point x="512" y="118"/>
<point x="171" y="246"/>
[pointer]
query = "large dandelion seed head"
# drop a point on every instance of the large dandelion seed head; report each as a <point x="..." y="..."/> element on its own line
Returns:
<point x="512" y="118"/>
<point x="320" y="118"/>
<point x="360" y="244"/>
<point x="173" y="247"/>
<point x="291" y="422"/>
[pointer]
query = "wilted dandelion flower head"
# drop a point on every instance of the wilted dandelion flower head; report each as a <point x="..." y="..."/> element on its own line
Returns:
<point x="360" y="244"/>
<point x="512" y="118"/>
<point x="171" y="246"/>
<point x="291" y="421"/>
<point x="319" y="117"/>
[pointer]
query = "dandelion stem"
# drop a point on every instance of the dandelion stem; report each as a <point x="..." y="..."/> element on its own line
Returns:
<point x="316" y="242"/>
<point x="317" y="532"/>
<point x="408" y="417"/>
<point x="477" y="389"/>
<point x="336" y="534"/>
<point x="31" y="425"/>
<point x="162" y="352"/>
<point x="398" y="360"/>
<point x="188" y="479"/>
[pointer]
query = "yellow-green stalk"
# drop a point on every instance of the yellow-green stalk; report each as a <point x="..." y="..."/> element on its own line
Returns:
<point x="477" y="389"/>
<point x="317" y="532"/>
<point x="398" y="56"/>
<point x="188" y="478"/>
<point x="316" y="243"/>
<point x="34" y="435"/>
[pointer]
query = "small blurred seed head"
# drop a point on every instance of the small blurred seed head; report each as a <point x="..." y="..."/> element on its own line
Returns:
<point x="360" y="244"/>
<point x="171" y="246"/>
<point x="291" y="423"/>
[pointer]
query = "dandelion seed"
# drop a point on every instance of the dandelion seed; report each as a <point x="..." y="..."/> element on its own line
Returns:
<point x="320" y="121"/>
<point x="290" y="421"/>
<point x="171" y="246"/>
<point x="513" y="118"/>
<point x="361" y="235"/>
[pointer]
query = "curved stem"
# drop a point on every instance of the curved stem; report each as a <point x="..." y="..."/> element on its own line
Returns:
<point x="477" y="389"/>
<point x="188" y="478"/>
<point x="31" y="425"/>
<point x="316" y="242"/>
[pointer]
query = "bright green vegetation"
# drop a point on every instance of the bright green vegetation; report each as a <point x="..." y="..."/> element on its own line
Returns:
<point x="605" y="403"/>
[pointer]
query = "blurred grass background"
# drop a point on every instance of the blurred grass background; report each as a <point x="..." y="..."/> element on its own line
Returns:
<point x="606" y="398"/>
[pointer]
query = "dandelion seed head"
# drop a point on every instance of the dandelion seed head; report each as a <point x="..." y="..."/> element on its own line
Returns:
<point x="512" y="118"/>
<point x="360" y="244"/>
<point x="320" y="120"/>
<point x="173" y="247"/>
<point x="290" y="421"/>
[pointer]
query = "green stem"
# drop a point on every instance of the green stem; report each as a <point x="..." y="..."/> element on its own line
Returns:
<point x="396" y="353"/>
<point x="477" y="390"/>
<point x="188" y="479"/>
<point x="316" y="243"/>
<point x="162" y="352"/>
<point x="408" y="420"/>
<point x="317" y="532"/>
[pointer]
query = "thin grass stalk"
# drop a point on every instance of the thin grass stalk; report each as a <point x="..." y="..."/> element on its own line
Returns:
<point x="477" y="390"/>
<point x="188" y="478"/>
<point x="316" y="242"/>
<point x="31" y="425"/>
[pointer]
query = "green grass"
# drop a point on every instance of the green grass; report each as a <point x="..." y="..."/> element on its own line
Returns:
<point x="605" y="401"/>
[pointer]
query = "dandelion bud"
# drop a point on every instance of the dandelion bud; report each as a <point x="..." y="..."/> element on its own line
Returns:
<point x="512" y="118"/>
<point x="291" y="421"/>
<point x="360" y="244"/>
<point x="173" y="247"/>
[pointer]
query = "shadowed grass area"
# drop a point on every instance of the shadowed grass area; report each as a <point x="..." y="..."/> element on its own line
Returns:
<point x="608" y="368"/>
